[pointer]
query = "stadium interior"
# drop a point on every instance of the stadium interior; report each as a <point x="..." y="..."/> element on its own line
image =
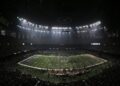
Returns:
<point x="59" y="43"/>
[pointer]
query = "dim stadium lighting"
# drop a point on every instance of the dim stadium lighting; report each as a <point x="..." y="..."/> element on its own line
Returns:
<point x="61" y="28"/>
<point x="26" y="25"/>
<point x="31" y="43"/>
<point x="83" y="26"/>
<point x="91" y="25"/>
<point x="95" y="24"/>
<point x="86" y="26"/>
<point x="23" y="44"/>
<point x="95" y="44"/>
<point x="24" y="21"/>
<point x="14" y="53"/>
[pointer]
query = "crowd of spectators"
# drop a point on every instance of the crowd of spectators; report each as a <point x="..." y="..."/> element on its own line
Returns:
<point x="109" y="77"/>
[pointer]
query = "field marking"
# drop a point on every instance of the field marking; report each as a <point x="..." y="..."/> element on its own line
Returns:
<point x="22" y="64"/>
<point x="31" y="66"/>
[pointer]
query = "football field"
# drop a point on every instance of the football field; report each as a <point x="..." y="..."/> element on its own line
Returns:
<point x="46" y="62"/>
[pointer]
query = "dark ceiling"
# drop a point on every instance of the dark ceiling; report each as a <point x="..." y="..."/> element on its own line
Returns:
<point x="63" y="12"/>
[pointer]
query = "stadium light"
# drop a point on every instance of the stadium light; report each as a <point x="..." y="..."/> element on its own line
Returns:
<point x="23" y="44"/>
<point x="55" y="29"/>
<point x="94" y="44"/>
<point x="95" y="24"/>
<point x="86" y="26"/>
<point x="98" y="23"/>
<point x="61" y="28"/>
<point x="83" y="26"/>
<point x="17" y="17"/>
<point x="3" y="32"/>
<point x="31" y="43"/>
<point x="14" y="53"/>
<point x="91" y="25"/>
<point x="24" y="20"/>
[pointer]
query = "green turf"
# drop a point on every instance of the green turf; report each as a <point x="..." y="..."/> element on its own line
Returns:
<point x="58" y="62"/>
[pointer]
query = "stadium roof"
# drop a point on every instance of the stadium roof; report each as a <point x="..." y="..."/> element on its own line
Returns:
<point x="63" y="12"/>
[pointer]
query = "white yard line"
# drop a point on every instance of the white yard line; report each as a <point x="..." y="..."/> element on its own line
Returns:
<point x="31" y="66"/>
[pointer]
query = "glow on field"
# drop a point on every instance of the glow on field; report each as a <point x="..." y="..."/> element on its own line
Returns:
<point x="48" y="62"/>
